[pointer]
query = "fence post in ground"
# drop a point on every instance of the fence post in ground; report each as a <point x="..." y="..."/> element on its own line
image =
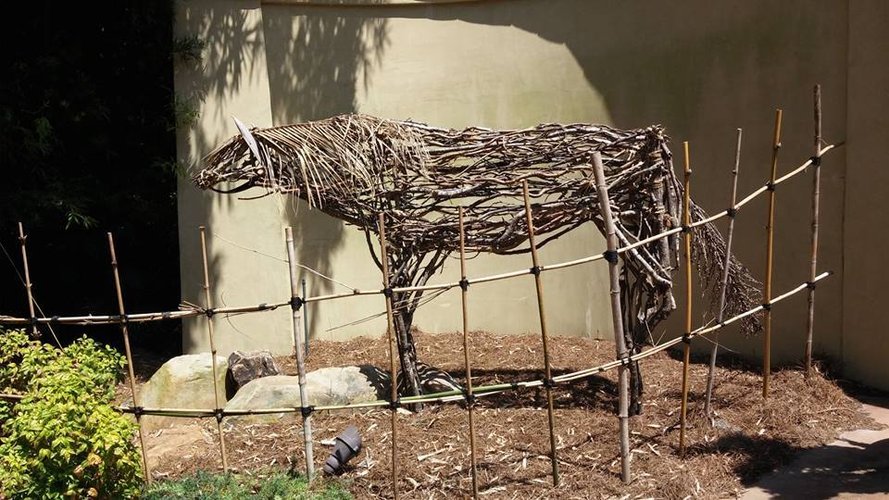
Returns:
<point x="295" y="304"/>
<point x="686" y="342"/>
<point x="470" y="397"/>
<point x="34" y="333"/>
<point x="126" y="344"/>
<point x="816" y="194"/>
<point x="623" y="381"/>
<point x="548" y="380"/>
<point x="720" y="311"/>
<point x="770" y="241"/>
<point x="390" y="328"/>
<point x="208" y="305"/>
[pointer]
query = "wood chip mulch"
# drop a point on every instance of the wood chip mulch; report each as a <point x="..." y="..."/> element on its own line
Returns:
<point x="752" y="436"/>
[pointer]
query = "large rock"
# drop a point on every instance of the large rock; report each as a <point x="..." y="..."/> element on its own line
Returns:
<point x="182" y="382"/>
<point x="246" y="366"/>
<point x="327" y="386"/>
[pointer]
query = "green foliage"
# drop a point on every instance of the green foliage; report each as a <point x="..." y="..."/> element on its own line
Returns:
<point x="277" y="486"/>
<point x="63" y="439"/>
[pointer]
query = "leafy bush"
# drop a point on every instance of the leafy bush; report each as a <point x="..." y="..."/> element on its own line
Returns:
<point x="276" y="486"/>
<point x="63" y="439"/>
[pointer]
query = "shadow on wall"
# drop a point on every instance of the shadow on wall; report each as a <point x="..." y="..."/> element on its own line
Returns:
<point x="314" y="65"/>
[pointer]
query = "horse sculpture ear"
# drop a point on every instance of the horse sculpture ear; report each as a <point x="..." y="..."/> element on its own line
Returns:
<point x="253" y="146"/>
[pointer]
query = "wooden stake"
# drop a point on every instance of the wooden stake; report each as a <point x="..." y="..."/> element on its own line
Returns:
<point x="548" y="372"/>
<point x="686" y="348"/>
<point x="390" y="328"/>
<point x="208" y="304"/>
<point x="126" y="344"/>
<point x="770" y="241"/>
<point x="720" y="312"/>
<point x="617" y="321"/>
<point x="470" y="398"/>
<point x="816" y="194"/>
<point x="295" y="304"/>
<point x="34" y="332"/>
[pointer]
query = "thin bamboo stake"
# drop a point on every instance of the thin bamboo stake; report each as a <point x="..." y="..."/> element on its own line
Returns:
<point x="547" y="369"/>
<point x="296" y="303"/>
<point x="305" y="314"/>
<point x="816" y="195"/>
<point x="34" y="333"/>
<point x="620" y="345"/>
<point x="770" y="242"/>
<point x="390" y="329"/>
<point x="126" y="344"/>
<point x="686" y="350"/>
<point x="208" y="303"/>
<point x="720" y="312"/>
<point x="470" y="397"/>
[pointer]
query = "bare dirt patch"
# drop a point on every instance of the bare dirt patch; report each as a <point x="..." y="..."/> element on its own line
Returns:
<point x="512" y="437"/>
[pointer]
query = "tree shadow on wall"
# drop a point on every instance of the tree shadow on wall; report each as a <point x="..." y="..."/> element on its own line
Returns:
<point x="316" y="61"/>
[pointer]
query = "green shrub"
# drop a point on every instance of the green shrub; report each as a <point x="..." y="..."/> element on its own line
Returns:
<point x="275" y="486"/>
<point x="64" y="439"/>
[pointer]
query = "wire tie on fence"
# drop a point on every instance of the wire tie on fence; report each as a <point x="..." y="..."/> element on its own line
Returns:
<point x="811" y="285"/>
<point x="464" y="284"/>
<point x="307" y="411"/>
<point x="388" y="292"/>
<point x="731" y="212"/>
<point x="535" y="270"/>
<point x="296" y="302"/>
<point x="770" y="185"/>
<point x="470" y="398"/>
<point x="610" y="256"/>
<point x="767" y="306"/>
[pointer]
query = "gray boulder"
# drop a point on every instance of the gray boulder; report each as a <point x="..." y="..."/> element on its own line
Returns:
<point x="182" y="382"/>
<point x="246" y="366"/>
<point x="326" y="386"/>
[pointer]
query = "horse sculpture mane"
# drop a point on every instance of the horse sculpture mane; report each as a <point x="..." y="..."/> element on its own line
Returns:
<point x="354" y="167"/>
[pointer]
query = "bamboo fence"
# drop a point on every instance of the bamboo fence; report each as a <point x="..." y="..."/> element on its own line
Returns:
<point x="470" y="394"/>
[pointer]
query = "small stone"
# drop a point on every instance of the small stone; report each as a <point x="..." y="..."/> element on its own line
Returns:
<point x="246" y="366"/>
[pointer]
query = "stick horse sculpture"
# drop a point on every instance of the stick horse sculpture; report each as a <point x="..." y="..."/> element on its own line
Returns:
<point x="354" y="167"/>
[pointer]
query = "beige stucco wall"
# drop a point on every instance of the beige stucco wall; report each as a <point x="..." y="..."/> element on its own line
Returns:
<point x="700" y="70"/>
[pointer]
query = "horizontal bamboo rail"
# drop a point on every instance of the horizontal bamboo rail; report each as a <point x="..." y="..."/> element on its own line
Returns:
<point x="481" y="391"/>
<point x="192" y="311"/>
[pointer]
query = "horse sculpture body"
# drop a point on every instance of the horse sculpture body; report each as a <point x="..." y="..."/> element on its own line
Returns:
<point x="354" y="167"/>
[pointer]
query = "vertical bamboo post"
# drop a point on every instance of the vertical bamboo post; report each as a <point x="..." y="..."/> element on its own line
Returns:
<point x="816" y="194"/>
<point x="126" y="345"/>
<point x="295" y="304"/>
<point x="305" y="317"/>
<point x="620" y="345"/>
<point x="470" y="397"/>
<point x="390" y="328"/>
<point x="548" y="381"/>
<point x="720" y="312"/>
<point x="34" y="333"/>
<point x="686" y="346"/>
<point x="770" y="241"/>
<point x="208" y="304"/>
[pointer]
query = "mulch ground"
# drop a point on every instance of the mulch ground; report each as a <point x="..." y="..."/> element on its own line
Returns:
<point x="512" y="438"/>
